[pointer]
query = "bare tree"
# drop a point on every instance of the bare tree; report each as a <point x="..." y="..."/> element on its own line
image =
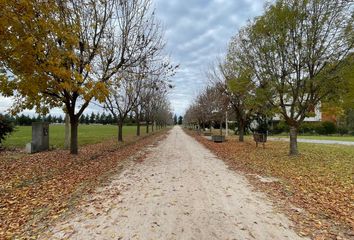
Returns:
<point x="210" y="106"/>
<point x="138" y="88"/>
<point x="123" y="98"/>
<point x="156" y="85"/>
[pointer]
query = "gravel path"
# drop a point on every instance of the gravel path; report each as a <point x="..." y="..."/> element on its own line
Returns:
<point x="313" y="141"/>
<point x="179" y="191"/>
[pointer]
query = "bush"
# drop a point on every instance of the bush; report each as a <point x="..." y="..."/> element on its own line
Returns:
<point x="342" y="130"/>
<point x="6" y="127"/>
<point x="309" y="127"/>
<point x="280" y="127"/>
<point x="327" y="128"/>
<point x="322" y="128"/>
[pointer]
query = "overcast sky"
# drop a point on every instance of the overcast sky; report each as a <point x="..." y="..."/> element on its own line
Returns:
<point x="197" y="32"/>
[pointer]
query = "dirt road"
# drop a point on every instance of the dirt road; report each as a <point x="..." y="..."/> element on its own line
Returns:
<point x="179" y="191"/>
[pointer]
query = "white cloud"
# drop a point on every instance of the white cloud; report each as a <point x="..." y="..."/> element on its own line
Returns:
<point x="198" y="32"/>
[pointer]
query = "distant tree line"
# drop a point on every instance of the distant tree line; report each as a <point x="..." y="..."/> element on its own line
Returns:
<point x="93" y="118"/>
<point x="27" y="120"/>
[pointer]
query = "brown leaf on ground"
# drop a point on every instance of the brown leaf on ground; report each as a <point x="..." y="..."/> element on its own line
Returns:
<point x="315" y="188"/>
<point x="40" y="188"/>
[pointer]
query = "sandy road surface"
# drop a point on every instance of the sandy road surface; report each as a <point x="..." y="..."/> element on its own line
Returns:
<point x="180" y="191"/>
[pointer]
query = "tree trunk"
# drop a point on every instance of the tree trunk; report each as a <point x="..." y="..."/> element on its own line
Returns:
<point x="138" y="128"/>
<point x="241" y="131"/>
<point x="293" y="141"/>
<point x="73" y="138"/>
<point x="152" y="127"/>
<point x="120" y="132"/>
<point x="147" y="127"/>
<point x="67" y="132"/>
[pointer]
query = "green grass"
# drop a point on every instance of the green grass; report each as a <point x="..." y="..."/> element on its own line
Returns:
<point x="334" y="138"/>
<point x="346" y="138"/>
<point x="88" y="134"/>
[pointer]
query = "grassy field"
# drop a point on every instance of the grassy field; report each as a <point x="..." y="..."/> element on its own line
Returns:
<point x="320" y="137"/>
<point x="346" y="138"/>
<point x="88" y="134"/>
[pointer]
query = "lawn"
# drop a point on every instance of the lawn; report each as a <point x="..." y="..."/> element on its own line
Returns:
<point x="88" y="134"/>
<point x="321" y="137"/>
<point x="319" y="180"/>
<point x="347" y="138"/>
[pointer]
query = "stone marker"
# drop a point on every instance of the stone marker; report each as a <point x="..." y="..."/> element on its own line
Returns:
<point x="40" y="138"/>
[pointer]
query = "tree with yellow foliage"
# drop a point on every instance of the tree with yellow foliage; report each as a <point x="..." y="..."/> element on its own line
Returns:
<point x="65" y="53"/>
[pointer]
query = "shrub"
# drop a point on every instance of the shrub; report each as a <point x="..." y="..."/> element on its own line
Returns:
<point x="327" y="128"/>
<point x="6" y="127"/>
<point x="309" y="127"/>
<point x="342" y="130"/>
<point x="280" y="127"/>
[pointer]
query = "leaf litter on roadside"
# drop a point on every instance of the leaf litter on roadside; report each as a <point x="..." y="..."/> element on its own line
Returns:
<point x="318" y="181"/>
<point x="40" y="188"/>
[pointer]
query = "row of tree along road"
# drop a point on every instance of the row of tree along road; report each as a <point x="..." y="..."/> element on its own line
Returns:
<point x="284" y="63"/>
<point x="71" y="53"/>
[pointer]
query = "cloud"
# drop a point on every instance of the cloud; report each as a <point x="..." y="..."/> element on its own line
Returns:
<point x="197" y="32"/>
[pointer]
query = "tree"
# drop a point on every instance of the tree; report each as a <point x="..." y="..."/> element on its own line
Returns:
<point x="49" y="119"/>
<point x="6" y="127"/>
<point x="346" y="73"/>
<point x="294" y="49"/>
<point x="102" y="118"/>
<point x="175" y="119"/>
<point x="159" y="109"/>
<point x="87" y="119"/>
<point x="209" y="107"/>
<point x="92" y="118"/>
<point x="98" y="117"/>
<point x="69" y="51"/>
<point x="123" y="98"/>
<point x="163" y="113"/>
<point x="158" y="70"/>
<point x="60" y="119"/>
<point x="180" y="120"/>
<point x="82" y="119"/>
<point x="109" y="119"/>
<point x="24" y="120"/>
<point x="237" y="82"/>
